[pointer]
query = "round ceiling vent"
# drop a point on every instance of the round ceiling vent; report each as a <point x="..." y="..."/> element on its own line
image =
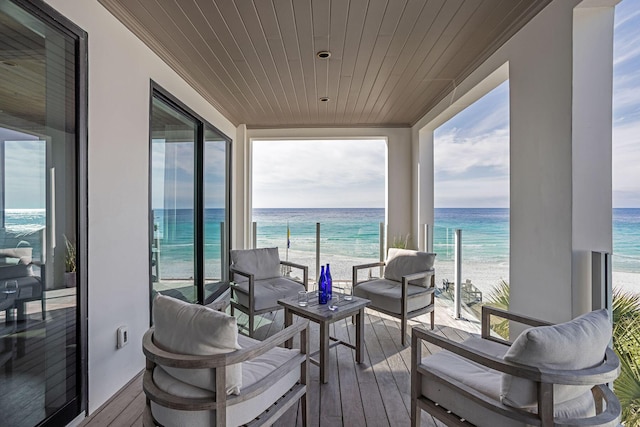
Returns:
<point x="323" y="54"/>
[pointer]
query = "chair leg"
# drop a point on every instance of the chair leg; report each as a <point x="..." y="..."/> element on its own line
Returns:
<point x="433" y="319"/>
<point x="416" y="413"/>
<point x="304" y="406"/>
<point x="403" y="330"/>
<point x="416" y="357"/>
<point x="251" y="320"/>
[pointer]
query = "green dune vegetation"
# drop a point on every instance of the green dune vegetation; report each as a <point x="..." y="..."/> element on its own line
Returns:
<point x="626" y="343"/>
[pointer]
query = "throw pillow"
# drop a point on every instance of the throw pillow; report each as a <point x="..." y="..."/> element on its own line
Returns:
<point x="193" y="329"/>
<point x="578" y="344"/>
<point x="263" y="263"/>
<point x="401" y="262"/>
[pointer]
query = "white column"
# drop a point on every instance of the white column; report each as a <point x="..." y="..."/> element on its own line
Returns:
<point x="425" y="188"/>
<point x="592" y="146"/>
<point x="241" y="189"/>
<point x="560" y="94"/>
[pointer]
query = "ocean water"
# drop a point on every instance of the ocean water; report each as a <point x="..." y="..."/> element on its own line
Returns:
<point x="352" y="236"/>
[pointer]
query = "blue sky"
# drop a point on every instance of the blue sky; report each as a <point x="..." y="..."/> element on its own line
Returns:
<point x="626" y="105"/>
<point x="287" y="174"/>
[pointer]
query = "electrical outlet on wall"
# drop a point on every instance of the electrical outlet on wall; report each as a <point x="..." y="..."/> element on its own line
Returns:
<point x="123" y="336"/>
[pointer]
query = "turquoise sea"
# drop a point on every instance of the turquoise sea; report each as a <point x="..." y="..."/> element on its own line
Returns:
<point x="350" y="236"/>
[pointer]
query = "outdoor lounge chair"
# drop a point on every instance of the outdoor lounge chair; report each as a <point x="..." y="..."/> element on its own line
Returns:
<point x="259" y="283"/>
<point x="550" y="375"/>
<point x="407" y="288"/>
<point x="200" y="372"/>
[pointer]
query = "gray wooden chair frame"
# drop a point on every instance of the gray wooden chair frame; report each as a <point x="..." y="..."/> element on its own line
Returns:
<point x="545" y="379"/>
<point x="405" y="314"/>
<point x="250" y="311"/>
<point x="156" y="356"/>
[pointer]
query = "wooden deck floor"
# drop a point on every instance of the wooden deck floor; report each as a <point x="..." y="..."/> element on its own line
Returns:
<point x="374" y="393"/>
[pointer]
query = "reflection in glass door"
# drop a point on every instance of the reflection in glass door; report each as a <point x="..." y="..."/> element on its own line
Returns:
<point x="189" y="229"/>
<point x="173" y="136"/>
<point x="41" y="371"/>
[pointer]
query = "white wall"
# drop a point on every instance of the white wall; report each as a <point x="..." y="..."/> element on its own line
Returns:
<point x="120" y="69"/>
<point x="398" y="182"/>
<point x="560" y="153"/>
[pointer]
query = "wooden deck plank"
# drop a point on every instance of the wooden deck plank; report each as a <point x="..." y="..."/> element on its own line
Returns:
<point x="389" y="390"/>
<point x="107" y="413"/>
<point x="352" y="408"/>
<point x="330" y="406"/>
<point x="370" y="394"/>
<point x="374" y="393"/>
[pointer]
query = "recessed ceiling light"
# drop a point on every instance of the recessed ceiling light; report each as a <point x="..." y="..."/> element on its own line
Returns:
<point x="323" y="54"/>
<point x="324" y="99"/>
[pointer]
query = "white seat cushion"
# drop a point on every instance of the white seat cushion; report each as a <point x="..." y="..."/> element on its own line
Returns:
<point x="387" y="295"/>
<point x="485" y="381"/>
<point x="578" y="344"/>
<point x="237" y="413"/>
<point x="193" y="329"/>
<point x="267" y="292"/>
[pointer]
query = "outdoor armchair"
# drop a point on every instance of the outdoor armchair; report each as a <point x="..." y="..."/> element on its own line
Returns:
<point x="551" y="375"/>
<point x="258" y="282"/>
<point x="407" y="288"/>
<point x="200" y="372"/>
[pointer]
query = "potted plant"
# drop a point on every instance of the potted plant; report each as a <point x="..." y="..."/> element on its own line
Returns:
<point x="70" y="264"/>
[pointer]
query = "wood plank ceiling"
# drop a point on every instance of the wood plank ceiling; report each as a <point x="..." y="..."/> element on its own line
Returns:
<point x="391" y="60"/>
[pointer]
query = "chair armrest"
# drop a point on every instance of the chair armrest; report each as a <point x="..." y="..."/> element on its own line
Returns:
<point x="419" y="275"/>
<point x="242" y="273"/>
<point x="166" y="358"/>
<point x="305" y="272"/>
<point x="362" y="267"/>
<point x="605" y="372"/>
<point x="488" y="311"/>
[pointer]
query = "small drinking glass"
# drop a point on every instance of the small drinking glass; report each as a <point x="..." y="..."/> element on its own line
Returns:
<point x="348" y="293"/>
<point x="335" y="299"/>
<point x="303" y="298"/>
<point x="10" y="286"/>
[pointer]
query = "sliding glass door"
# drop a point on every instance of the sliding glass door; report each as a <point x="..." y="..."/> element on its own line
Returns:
<point x="42" y="240"/>
<point x="172" y="190"/>
<point x="189" y="202"/>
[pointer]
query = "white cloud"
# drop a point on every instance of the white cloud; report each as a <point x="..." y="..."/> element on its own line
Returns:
<point x="457" y="156"/>
<point x="326" y="173"/>
<point x="482" y="192"/>
<point x="626" y="158"/>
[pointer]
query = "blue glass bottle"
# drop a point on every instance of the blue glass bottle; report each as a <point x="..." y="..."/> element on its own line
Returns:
<point x="329" y="282"/>
<point x="322" y="287"/>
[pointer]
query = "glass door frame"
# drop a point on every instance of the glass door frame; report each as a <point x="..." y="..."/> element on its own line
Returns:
<point x="158" y="92"/>
<point x="55" y="19"/>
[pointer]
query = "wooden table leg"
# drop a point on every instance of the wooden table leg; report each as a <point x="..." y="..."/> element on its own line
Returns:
<point x="359" y="335"/>
<point x="288" y="321"/>
<point x="324" y="351"/>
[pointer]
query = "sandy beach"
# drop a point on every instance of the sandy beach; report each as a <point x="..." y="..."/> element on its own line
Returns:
<point x="484" y="276"/>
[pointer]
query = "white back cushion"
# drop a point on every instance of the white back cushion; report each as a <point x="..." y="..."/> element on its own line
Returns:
<point x="196" y="330"/>
<point x="577" y="344"/>
<point x="263" y="263"/>
<point x="401" y="262"/>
